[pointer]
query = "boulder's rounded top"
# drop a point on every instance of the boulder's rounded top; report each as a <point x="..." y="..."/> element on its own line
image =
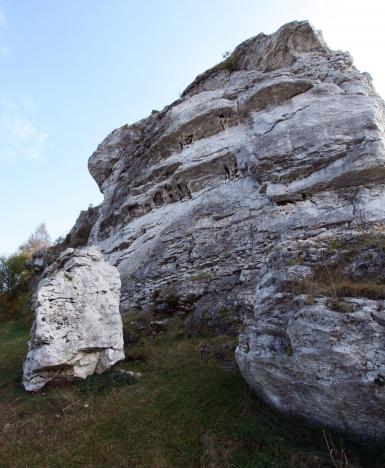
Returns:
<point x="79" y="256"/>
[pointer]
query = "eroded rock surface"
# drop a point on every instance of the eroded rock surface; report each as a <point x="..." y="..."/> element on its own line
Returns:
<point x="78" y="328"/>
<point x="279" y="148"/>
<point x="314" y="346"/>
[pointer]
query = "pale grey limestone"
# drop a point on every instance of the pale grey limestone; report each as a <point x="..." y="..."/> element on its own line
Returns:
<point x="77" y="329"/>
<point x="310" y="357"/>
<point x="278" y="149"/>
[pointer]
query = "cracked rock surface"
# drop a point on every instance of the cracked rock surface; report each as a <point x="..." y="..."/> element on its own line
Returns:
<point x="314" y="346"/>
<point x="224" y="205"/>
<point x="78" y="328"/>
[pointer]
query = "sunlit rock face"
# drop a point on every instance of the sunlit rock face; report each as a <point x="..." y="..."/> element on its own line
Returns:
<point x="78" y="327"/>
<point x="266" y="164"/>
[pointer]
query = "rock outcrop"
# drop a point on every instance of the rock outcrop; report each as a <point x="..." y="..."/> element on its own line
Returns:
<point x="314" y="346"/>
<point x="78" y="328"/>
<point x="259" y="197"/>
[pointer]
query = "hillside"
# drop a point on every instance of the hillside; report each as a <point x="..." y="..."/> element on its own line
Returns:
<point x="189" y="408"/>
<point x="236" y="261"/>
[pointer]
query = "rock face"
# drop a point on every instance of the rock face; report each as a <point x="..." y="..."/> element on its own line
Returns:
<point x="259" y="197"/>
<point x="78" y="328"/>
<point x="314" y="346"/>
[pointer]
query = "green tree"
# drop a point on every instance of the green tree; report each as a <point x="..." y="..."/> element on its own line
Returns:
<point x="14" y="286"/>
<point x="16" y="275"/>
<point x="12" y="272"/>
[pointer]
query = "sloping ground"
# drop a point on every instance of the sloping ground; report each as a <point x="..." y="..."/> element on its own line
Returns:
<point x="188" y="410"/>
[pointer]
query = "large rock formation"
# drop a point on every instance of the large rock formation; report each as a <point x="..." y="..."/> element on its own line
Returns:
<point x="78" y="328"/>
<point x="259" y="196"/>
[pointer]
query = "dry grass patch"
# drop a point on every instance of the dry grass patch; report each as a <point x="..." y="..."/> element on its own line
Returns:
<point x="331" y="277"/>
<point x="338" y="287"/>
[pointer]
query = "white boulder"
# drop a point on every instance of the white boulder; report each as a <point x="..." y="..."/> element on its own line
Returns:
<point x="77" y="329"/>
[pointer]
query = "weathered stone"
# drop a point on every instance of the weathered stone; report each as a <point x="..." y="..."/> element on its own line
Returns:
<point x="369" y="264"/>
<point x="78" y="328"/>
<point x="223" y="205"/>
<point x="319" y="355"/>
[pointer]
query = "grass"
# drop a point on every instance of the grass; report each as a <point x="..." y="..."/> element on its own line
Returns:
<point x="330" y="278"/>
<point x="187" y="410"/>
<point x="337" y="285"/>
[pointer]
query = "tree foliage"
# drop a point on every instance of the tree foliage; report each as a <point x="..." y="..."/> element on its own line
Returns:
<point x="17" y="276"/>
<point x="39" y="240"/>
<point x="15" y="295"/>
<point x="12" y="269"/>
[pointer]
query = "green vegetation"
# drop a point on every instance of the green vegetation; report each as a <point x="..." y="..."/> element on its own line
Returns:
<point x="229" y="63"/>
<point x="11" y="271"/>
<point x="103" y="383"/>
<point x="16" y="275"/>
<point x="187" y="410"/>
<point x="15" y="296"/>
<point x="335" y="244"/>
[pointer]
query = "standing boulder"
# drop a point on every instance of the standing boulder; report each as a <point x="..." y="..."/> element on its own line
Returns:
<point x="77" y="329"/>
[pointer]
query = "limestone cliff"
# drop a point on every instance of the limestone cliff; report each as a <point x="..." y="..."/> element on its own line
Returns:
<point x="259" y="197"/>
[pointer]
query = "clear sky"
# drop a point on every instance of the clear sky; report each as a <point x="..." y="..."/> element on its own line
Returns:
<point x="73" y="70"/>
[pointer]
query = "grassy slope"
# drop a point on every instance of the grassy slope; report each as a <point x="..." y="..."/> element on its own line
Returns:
<point x="186" y="411"/>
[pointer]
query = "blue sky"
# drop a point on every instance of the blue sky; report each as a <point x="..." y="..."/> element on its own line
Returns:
<point x="73" y="70"/>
